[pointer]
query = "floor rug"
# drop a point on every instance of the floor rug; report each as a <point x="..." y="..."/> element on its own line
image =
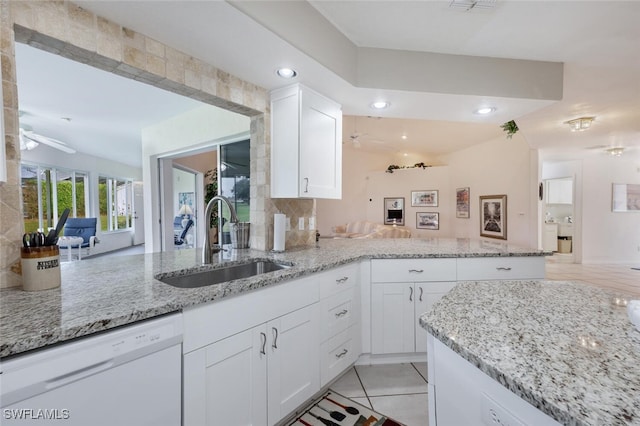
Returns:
<point x="333" y="409"/>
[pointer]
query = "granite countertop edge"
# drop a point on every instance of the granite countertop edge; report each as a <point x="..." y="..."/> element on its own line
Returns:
<point x="499" y="340"/>
<point x="23" y="328"/>
<point x="536" y="400"/>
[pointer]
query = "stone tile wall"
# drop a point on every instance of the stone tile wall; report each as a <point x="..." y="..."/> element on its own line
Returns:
<point x="68" y="30"/>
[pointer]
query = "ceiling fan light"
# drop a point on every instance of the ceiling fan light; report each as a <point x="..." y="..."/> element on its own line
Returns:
<point x="615" y="152"/>
<point x="580" y="124"/>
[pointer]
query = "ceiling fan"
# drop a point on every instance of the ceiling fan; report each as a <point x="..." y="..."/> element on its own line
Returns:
<point x="30" y="140"/>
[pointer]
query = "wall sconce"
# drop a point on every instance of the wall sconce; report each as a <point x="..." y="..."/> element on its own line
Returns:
<point x="615" y="152"/>
<point x="580" y="124"/>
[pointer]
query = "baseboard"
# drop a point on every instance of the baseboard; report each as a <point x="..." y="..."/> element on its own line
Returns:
<point x="371" y="359"/>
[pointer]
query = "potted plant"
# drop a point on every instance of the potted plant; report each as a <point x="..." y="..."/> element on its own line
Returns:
<point x="511" y="128"/>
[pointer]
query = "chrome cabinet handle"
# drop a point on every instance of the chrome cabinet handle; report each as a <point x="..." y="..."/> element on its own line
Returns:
<point x="306" y="185"/>
<point x="275" y="338"/>
<point x="341" y="354"/>
<point x="342" y="280"/>
<point x="264" y="343"/>
<point x="341" y="313"/>
<point x="411" y="294"/>
<point x="501" y="268"/>
<point x="416" y="271"/>
<point x="421" y="291"/>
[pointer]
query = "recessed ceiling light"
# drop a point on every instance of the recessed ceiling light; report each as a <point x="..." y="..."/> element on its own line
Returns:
<point x="286" y="72"/>
<point x="404" y="137"/>
<point x="485" y="110"/>
<point x="380" y="105"/>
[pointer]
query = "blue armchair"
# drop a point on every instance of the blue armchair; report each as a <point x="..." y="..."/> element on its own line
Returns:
<point x="84" y="228"/>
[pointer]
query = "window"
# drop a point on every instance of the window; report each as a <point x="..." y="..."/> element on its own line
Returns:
<point x="47" y="191"/>
<point x="115" y="197"/>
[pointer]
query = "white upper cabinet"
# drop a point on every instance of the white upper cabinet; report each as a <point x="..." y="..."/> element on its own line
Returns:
<point x="306" y="144"/>
<point x="560" y="191"/>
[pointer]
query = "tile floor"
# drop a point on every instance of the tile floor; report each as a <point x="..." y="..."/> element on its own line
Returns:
<point x="400" y="391"/>
<point x="617" y="277"/>
<point x="395" y="390"/>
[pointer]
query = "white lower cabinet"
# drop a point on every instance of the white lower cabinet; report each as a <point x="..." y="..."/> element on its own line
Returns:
<point x="394" y="322"/>
<point x="339" y="321"/>
<point x="255" y="377"/>
<point x="401" y="291"/>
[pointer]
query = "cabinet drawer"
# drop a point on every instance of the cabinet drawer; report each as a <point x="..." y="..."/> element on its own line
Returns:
<point x="336" y="280"/>
<point x="501" y="268"/>
<point x="338" y="313"/>
<point x="338" y="353"/>
<point x="412" y="270"/>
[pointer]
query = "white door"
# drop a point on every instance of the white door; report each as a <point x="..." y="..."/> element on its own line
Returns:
<point x="138" y="214"/>
<point x="225" y="383"/>
<point x="293" y="366"/>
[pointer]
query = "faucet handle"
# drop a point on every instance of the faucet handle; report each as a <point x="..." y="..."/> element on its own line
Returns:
<point x="217" y="248"/>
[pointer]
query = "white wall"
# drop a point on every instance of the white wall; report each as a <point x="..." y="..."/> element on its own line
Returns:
<point x="600" y="235"/>
<point x="608" y="237"/>
<point x="195" y="129"/>
<point x="400" y="183"/>
<point x="501" y="166"/>
<point x="95" y="167"/>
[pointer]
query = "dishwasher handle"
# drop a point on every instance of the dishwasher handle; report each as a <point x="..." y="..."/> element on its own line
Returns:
<point x="78" y="374"/>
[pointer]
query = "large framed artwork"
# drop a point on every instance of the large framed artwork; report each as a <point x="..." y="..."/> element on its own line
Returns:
<point x="424" y="198"/>
<point x="625" y="197"/>
<point x="493" y="216"/>
<point x="394" y="211"/>
<point x="462" y="203"/>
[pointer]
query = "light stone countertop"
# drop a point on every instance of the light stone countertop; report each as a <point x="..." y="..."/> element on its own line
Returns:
<point x="105" y="292"/>
<point x="566" y="348"/>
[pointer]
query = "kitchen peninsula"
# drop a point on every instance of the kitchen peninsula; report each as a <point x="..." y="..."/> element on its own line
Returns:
<point x="569" y="350"/>
<point x="103" y="293"/>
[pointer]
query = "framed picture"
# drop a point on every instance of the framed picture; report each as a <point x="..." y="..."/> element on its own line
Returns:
<point x="462" y="203"/>
<point x="394" y="211"/>
<point x="493" y="216"/>
<point x="185" y="203"/>
<point x="625" y="197"/>
<point x="424" y="198"/>
<point x="425" y="220"/>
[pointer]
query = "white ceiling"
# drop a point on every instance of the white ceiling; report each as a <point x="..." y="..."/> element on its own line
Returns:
<point x="598" y="42"/>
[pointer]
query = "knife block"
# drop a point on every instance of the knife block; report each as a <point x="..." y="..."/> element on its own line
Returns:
<point x="40" y="268"/>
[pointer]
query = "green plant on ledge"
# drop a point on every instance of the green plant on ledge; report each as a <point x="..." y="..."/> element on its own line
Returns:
<point x="511" y="128"/>
<point x="393" y="167"/>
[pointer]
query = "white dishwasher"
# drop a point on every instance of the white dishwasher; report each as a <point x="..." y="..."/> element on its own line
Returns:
<point x="129" y="376"/>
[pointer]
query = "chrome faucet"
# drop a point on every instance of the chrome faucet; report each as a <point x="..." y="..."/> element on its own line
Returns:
<point x="207" y="250"/>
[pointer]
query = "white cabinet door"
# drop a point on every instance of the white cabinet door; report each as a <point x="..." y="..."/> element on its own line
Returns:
<point x="320" y="147"/>
<point x="427" y="294"/>
<point x="560" y="191"/>
<point x="306" y="144"/>
<point x="294" y="361"/>
<point x="225" y="383"/>
<point x="396" y="308"/>
<point x="392" y="316"/>
<point x="550" y="237"/>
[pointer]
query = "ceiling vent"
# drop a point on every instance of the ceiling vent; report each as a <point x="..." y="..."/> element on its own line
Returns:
<point x="468" y="5"/>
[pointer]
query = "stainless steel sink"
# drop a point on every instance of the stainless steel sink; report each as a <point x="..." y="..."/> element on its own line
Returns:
<point x="224" y="274"/>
